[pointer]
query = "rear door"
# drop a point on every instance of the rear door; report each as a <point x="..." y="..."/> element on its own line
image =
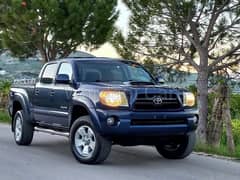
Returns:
<point x="43" y="95"/>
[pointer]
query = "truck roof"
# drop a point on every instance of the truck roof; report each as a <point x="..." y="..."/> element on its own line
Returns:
<point x="71" y="59"/>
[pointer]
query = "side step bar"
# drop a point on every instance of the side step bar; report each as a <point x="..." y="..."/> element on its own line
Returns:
<point x="52" y="132"/>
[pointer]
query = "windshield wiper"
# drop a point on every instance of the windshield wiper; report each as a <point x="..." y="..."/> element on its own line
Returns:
<point x="132" y="82"/>
<point x="108" y="81"/>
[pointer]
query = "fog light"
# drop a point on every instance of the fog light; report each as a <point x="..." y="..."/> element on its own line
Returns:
<point x="194" y="119"/>
<point x="112" y="121"/>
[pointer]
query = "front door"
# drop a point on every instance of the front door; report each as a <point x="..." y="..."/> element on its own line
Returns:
<point x="63" y="95"/>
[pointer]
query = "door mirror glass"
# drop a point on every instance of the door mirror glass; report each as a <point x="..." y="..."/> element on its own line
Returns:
<point x="62" y="79"/>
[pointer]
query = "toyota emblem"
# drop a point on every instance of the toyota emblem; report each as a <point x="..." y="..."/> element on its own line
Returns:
<point x="157" y="100"/>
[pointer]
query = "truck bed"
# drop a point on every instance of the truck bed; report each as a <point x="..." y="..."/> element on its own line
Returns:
<point x="25" y="84"/>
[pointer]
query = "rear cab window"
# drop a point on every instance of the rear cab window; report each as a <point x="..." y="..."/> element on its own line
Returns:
<point x="49" y="73"/>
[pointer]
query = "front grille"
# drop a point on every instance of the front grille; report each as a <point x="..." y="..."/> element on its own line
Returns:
<point x="149" y="122"/>
<point x="145" y="102"/>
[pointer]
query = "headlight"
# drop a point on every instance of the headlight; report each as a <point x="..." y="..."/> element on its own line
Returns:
<point x="188" y="99"/>
<point x="113" y="98"/>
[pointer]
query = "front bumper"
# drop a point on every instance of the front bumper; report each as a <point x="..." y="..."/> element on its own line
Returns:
<point x="125" y="126"/>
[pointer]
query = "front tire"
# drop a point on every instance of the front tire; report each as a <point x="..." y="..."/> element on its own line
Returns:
<point x="87" y="145"/>
<point x="23" y="130"/>
<point x="178" y="149"/>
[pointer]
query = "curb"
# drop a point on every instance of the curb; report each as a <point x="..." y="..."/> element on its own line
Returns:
<point x="4" y="123"/>
<point x="216" y="156"/>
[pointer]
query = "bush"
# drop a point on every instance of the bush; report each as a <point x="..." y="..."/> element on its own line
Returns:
<point x="223" y="149"/>
<point x="4" y="117"/>
<point x="235" y="116"/>
<point x="235" y="131"/>
<point x="4" y="90"/>
<point x="235" y="106"/>
<point x="4" y="86"/>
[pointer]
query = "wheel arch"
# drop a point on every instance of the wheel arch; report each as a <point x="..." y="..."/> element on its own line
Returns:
<point x="19" y="103"/>
<point x="84" y="107"/>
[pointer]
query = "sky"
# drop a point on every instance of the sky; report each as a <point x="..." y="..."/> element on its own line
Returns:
<point x="107" y="50"/>
<point x="123" y="20"/>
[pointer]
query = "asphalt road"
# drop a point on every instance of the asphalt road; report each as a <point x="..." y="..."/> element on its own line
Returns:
<point x="49" y="158"/>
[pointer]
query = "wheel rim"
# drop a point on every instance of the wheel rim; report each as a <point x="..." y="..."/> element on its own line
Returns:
<point x="18" y="128"/>
<point x="85" y="141"/>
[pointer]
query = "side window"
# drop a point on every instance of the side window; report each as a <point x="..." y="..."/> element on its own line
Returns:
<point x="49" y="73"/>
<point x="66" y="68"/>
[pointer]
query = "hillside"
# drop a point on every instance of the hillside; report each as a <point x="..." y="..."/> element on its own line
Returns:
<point x="12" y="68"/>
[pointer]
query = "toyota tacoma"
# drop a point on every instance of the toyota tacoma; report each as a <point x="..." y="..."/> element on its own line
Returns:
<point x="100" y="102"/>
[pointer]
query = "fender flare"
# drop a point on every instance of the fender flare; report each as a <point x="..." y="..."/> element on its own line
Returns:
<point x="23" y="100"/>
<point x="89" y="106"/>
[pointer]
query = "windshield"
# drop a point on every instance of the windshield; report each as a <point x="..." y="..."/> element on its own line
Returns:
<point x="119" y="71"/>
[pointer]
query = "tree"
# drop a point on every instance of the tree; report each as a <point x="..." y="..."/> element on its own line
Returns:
<point x="216" y="120"/>
<point x="55" y="28"/>
<point x="149" y="65"/>
<point x="221" y="115"/>
<point x="200" y="34"/>
<point x="1" y="44"/>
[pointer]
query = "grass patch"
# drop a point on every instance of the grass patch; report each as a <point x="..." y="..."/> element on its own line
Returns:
<point x="222" y="150"/>
<point x="4" y="117"/>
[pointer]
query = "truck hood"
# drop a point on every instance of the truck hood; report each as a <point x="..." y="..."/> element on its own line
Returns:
<point x="129" y="87"/>
<point x="92" y="90"/>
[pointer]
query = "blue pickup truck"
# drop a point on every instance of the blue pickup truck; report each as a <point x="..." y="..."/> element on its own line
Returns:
<point x="100" y="102"/>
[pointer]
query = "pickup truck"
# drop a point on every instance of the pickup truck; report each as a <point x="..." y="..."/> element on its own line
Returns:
<point x="99" y="102"/>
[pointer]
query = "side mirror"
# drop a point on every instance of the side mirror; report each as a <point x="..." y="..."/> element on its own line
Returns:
<point x="62" y="79"/>
<point x="160" y="80"/>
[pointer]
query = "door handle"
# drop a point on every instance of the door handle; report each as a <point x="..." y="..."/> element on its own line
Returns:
<point x="52" y="93"/>
<point x="37" y="92"/>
